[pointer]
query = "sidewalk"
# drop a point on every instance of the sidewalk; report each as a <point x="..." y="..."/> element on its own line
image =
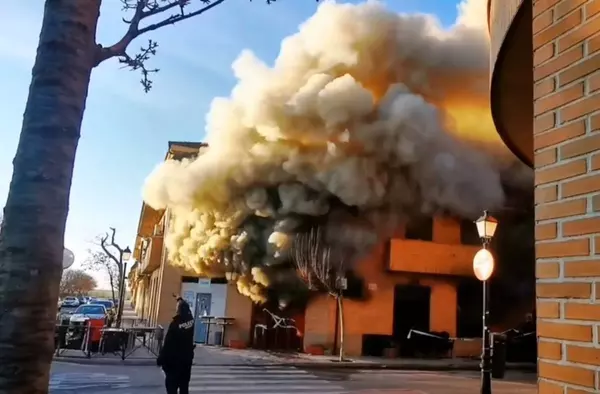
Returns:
<point x="217" y="356"/>
<point x="259" y="357"/>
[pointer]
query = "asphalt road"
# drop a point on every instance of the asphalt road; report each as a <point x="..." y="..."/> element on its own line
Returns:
<point x="104" y="379"/>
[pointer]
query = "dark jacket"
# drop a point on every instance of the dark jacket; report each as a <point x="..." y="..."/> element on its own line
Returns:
<point x="178" y="347"/>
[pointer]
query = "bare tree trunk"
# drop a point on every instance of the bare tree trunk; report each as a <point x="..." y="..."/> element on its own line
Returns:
<point x="112" y="288"/>
<point x="340" y="302"/>
<point x="32" y="234"/>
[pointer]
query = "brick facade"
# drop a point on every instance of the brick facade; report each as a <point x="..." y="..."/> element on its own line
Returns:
<point x="378" y="308"/>
<point x="566" y="59"/>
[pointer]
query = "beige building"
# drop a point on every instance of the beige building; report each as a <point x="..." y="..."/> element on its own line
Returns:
<point x="154" y="282"/>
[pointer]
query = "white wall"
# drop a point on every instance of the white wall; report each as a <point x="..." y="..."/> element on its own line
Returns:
<point x="219" y="297"/>
<point x="218" y="293"/>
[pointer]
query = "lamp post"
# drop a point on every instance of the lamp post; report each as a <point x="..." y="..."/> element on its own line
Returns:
<point x="124" y="257"/>
<point x="483" y="267"/>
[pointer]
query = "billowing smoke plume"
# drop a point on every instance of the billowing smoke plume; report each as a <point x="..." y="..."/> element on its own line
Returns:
<point x="365" y="118"/>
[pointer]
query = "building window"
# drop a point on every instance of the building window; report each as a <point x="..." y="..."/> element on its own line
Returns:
<point x="420" y="229"/>
<point x="468" y="233"/>
<point x="189" y="279"/>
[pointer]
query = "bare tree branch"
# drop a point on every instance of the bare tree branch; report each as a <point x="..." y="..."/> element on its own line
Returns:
<point x="316" y="264"/>
<point x="145" y="9"/>
<point x="100" y="261"/>
<point x="104" y="245"/>
<point x="142" y="11"/>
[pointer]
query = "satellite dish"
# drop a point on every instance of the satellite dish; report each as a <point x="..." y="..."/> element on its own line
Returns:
<point x="68" y="258"/>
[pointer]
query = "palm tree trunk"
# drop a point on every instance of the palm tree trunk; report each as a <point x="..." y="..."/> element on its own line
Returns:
<point x="340" y="301"/>
<point x="32" y="234"/>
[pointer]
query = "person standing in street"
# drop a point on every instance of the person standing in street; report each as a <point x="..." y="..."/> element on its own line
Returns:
<point x="177" y="354"/>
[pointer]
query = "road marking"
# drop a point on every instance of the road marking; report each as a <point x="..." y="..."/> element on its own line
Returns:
<point x="254" y="380"/>
<point x="81" y="381"/>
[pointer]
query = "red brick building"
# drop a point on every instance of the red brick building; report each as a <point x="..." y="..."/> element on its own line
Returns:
<point x="431" y="267"/>
<point x="545" y="96"/>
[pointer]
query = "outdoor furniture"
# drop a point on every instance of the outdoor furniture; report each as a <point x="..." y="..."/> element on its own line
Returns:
<point x="273" y="330"/>
<point x="208" y="320"/>
<point x="521" y="346"/>
<point x="133" y="343"/>
<point x="60" y="337"/>
<point x="114" y="340"/>
<point x="428" y="343"/>
<point x="260" y="340"/>
<point x="224" y="322"/>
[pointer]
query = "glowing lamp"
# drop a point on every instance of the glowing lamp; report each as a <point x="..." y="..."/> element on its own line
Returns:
<point x="126" y="254"/>
<point x="483" y="264"/>
<point x="486" y="226"/>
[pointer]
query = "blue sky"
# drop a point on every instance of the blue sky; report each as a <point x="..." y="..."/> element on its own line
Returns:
<point x="125" y="131"/>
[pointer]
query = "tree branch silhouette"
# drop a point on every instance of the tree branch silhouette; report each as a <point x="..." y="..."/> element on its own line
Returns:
<point x="144" y="9"/>
<point x="171" y="11"/>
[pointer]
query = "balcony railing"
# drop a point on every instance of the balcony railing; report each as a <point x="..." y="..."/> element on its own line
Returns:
<point x="151" y="258"/>
<point x="431" y="257"/>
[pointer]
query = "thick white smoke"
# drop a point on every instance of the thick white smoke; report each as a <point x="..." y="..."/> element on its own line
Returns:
<point x="373" y="108"/>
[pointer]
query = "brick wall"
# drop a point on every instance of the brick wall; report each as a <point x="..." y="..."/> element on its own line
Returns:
<point x="566" y="123"/>
<point x="378" y="309"/>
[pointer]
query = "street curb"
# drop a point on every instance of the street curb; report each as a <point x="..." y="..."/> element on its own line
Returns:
<point x="302" y="365"/>
<point x="405" y="367"/>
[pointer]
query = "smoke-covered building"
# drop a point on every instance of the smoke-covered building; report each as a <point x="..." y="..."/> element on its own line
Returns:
<point x="154" y="282"/>
<point x="367" y="125"/>
<point x="545" y="100"/>
<point x="415" y="280"/>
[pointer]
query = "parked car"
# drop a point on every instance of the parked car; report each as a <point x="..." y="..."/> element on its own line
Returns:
<point x="70" y="302"/>
<point x="108" y="304"/>
<point x="89" y="312"/>
<point x="111" y="311"/>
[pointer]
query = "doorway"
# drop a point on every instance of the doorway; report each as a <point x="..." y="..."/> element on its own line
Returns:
<point x="203" y="301"/>
<point x="411" y="309"/>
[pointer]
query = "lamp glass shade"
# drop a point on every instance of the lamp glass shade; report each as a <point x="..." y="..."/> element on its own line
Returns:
<point x="68" y="258"/>
<point x="486" y="226"/>
<point x="483" y="264"/>
<point x="126" y="254"/>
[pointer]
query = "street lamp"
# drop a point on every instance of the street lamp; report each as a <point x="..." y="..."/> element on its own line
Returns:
<point x="483" y="267"/>
<point x="125" y="255"/>
<point x="486" y="227"/>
